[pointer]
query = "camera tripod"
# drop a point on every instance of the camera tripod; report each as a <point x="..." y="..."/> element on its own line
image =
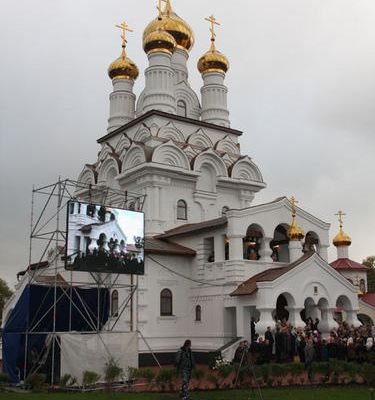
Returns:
<point x="250" y="366"/>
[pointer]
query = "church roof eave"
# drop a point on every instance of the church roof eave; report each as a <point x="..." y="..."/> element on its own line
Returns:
<point x="169" y="116"/>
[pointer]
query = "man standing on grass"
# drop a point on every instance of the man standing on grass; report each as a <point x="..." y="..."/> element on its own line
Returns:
<point x="185" y="364"/>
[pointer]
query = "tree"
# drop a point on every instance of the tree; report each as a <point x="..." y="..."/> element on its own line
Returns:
<point x="370" y="262"/>
<point x="5" y="293"/>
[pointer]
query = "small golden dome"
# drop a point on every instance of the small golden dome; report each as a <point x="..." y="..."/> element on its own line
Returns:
<point x="123" y="68"/>
<point x="159" y="41"/>
<point x="213" y="61"/>
<point x="169" y="21"/>
<point x="342" y="239"/>
<point x="295" y="232"/>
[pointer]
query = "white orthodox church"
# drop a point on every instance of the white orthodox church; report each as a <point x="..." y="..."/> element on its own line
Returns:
<point x="213" y="260"/>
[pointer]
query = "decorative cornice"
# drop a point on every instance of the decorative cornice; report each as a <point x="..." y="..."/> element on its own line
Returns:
<point x="173" y="117"/>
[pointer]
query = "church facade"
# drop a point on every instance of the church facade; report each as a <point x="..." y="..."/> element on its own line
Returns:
<point x="213" y="259"/>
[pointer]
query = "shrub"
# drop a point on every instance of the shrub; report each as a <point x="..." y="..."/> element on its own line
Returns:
<point x="133" y="373"/>
<point x="198" y="373"/>
<point x="147" y="374"/>
<point x="89" y="378"/>
<point x="278" y="370"/>
<point x="368" y="374"/>
<point x="4" y="379"/>
<point x="212" y="357"/>
<point x="112" y="371"/>
<point x="262" y="371"/>
<point x="67" y="380"/>
<point x="323" y="368"/>
<point x="36" y="381"/>
<point x="225" y="370"/>
<point x="295" y="368"/>
<point x="213" y="379"/>
<point x="166" y="377"/>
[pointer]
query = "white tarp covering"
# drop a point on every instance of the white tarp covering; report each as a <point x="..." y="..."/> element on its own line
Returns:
<point x="90" y="352"/>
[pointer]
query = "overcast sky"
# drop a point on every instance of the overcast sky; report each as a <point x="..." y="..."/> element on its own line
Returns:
<point x="301" y="87"/>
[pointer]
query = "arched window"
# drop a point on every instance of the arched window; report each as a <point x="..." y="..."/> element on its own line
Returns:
<point x="114" y="303"/>
<point x="181" y="108"/>
<point x="198" y="313"/>
<point x="362" y="285"/>
<point x="182" y="210"/>
<point x="165" y="302"/>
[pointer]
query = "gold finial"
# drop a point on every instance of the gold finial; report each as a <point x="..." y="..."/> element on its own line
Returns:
<point x="168" y="7"/>
<point x="341" y="214"/>
<point x="293" y="202"/>
<point x="159" y="8"/>
<point x="212" y="20"/>
<point x="294" y="232"/>
<point x="125" y="28"/>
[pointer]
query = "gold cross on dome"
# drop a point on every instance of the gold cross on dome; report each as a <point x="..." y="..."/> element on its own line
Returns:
<point x="293" y="202"/>
<point x="125" y="28"/>
<point x="212" y="20"/>
<point x="159" y="8"/>
<point x="167" y="9"/>
<point x="340" y="214"/>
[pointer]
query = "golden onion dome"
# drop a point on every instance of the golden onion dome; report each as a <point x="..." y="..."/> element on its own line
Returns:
<point x="295" y="232"/>
<point x="123" y="68"/>
<point x="159" y="41"/>
<point x="170" y="22"/>
<point x="342" y="239"/>
<point x="213" y="61"/>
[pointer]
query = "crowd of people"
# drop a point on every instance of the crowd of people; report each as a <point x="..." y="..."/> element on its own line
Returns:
<point x="285" y="343"/>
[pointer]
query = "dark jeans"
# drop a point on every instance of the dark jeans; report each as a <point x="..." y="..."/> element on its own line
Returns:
<point x="185" y="375"/>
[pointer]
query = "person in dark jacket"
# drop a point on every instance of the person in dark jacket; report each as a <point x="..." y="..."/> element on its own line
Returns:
<point x="278" y="344"/>
<point x="309" y="356"/>
<point x="269" y="342"/>
<point x="185" y="364"/>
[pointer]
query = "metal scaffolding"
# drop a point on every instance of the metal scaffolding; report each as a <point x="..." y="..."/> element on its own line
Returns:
<point x="48" y="226"/>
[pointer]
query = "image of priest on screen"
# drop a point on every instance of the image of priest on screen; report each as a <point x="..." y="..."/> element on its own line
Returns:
<point x="104" y="239"/>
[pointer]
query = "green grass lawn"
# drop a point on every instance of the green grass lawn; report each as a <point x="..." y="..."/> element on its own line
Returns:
<point x="337" y="393"/>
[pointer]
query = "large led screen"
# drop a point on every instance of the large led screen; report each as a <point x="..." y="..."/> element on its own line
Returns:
<point x="104" y="239"/>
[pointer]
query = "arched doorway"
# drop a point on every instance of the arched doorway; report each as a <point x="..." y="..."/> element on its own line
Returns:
<point x="365" y="320"/>
<point x="284" y="301"/>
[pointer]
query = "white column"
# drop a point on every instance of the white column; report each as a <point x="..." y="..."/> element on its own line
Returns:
<point x="323" y="251"/>
<point x="236" y="247"/>
<point x="214" y="99"/>
<point x="121" y="103"/>
<point x="295" y="250"/>
<point x="219" y="247"/>
<point x="265" y="250"/>
<point x="352" y="318"/>
<point x="159" y="88"/>
<point x="265" y="320"/>
<point x="179" y="64"/>
<point x="343" y="252"/>
<point x="295" y="317"/>
<point x="240" y="321"/>
<point x="327" y="323"/>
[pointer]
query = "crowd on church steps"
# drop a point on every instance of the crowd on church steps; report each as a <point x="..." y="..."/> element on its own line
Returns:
<point x="287" y="344"/>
